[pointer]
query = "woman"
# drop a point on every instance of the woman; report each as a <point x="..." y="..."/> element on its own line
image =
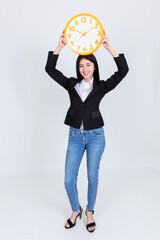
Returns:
<point x="86" y="123"/>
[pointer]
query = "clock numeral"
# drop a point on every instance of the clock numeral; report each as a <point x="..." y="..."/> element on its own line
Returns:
<point x="76" y="22"/>
<point x="78" y="47"/>
<point x="99" y="33"/>
<point x="84" y="49"/>
<point x="91" y="47"/>
<point x="72" y="28"/>
<point x="96" y="25"/>
<point x="83" y="19"/>
<point x="90" y="20"/>
<point x="96" y="41"/>
<point x="69" y="35"/>
<point x="72" y="43"/>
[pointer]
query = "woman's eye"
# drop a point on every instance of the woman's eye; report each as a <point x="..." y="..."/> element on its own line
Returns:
<point x="87" y="66"/>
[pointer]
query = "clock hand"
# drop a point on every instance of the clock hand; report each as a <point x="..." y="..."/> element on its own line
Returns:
<point x="85" y="33"/>
<point x="89" y="29"/>
<point x="79" y="32"/>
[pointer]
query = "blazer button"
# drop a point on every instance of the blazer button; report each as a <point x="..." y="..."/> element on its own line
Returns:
<point x="82" y="104"/>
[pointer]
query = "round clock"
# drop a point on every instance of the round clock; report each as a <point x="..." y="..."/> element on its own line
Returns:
<point x="83" y="34"/>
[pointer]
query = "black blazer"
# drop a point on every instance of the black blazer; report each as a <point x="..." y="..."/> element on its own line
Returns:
<point x="89" y="109"/>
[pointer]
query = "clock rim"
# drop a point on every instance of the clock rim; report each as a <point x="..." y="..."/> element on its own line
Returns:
<point x="81" y="14"/>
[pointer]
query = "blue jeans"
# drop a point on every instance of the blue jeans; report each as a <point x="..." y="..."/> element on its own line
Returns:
<point x="94" y="143"/>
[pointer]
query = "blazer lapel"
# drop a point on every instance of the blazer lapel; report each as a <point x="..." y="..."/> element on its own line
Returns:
<point x="94" y="89"/>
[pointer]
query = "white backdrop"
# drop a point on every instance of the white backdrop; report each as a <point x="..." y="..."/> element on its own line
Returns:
<point x="33" y="134"/>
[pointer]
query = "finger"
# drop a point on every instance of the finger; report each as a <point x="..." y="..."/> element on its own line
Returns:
<point x="63" y="33"/>
<point x="104" y="32"/>
<point x="102" y="41"/>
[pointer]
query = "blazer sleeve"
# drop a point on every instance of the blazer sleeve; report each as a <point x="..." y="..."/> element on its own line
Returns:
<point x="50" y="68"/>
<point x="117" y="77"/>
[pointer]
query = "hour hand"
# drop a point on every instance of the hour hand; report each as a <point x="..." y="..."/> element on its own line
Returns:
<point x="79" y="32"/>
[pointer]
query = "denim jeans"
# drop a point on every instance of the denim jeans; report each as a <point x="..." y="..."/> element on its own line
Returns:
<point x="79" y="140"/>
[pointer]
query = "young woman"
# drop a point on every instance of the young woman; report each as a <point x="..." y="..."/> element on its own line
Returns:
<point x="85" y="122"/>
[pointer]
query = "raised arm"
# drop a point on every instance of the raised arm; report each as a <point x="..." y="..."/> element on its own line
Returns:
<point x="121" y="63"/>
<point x="50" y="67"/>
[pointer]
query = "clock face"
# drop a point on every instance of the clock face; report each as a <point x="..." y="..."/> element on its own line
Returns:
<point x="83" y="34"/>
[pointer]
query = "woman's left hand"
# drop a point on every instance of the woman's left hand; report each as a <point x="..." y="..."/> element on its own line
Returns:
<point x="105" y="41"/>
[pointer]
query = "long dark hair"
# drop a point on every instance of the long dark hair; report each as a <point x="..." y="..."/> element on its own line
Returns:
<point x="91" y="58"/>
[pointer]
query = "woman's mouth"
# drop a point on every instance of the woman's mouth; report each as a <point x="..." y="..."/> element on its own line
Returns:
<point x="85" y="74"/>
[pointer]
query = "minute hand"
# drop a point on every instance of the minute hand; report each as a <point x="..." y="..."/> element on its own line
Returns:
<point x="89" y="30"/>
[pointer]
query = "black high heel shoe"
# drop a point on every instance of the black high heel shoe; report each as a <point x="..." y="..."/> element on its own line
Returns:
<point x="90" y="224"/>
<point x="73" y="224"/>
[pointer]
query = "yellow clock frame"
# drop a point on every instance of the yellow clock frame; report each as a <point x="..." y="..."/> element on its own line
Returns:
<point x="71" y="28"/>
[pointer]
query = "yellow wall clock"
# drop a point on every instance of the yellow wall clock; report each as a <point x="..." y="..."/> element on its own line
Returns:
<point x="83" y="34"/>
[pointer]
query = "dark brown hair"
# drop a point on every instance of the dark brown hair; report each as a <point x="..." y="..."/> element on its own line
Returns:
<point x="91" y="58"/>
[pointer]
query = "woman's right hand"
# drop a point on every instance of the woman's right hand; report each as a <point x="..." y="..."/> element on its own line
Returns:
<point x="62" y="40"/>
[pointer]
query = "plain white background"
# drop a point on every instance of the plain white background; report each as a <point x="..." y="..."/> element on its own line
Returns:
<point x="33" y="136"/>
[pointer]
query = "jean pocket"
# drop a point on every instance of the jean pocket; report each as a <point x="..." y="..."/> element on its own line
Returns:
<point x="98" y="131"/>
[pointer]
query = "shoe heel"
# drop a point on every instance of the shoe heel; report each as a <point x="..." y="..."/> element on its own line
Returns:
<point x="80" y="214"/>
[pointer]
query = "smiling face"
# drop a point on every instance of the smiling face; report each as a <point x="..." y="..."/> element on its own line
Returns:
<point x="86" y="69"/>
